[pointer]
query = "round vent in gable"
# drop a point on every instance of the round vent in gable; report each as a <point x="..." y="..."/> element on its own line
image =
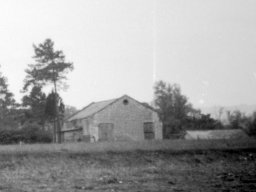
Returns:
<point x="125" y="102"/>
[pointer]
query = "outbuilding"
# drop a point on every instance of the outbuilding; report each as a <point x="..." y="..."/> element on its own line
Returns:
<point x="216" y="134"/>
<point x="118" y="119"/>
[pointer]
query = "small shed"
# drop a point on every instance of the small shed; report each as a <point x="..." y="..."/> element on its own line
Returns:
<point x="216" y="134"/>
<point x="118" y="119"/>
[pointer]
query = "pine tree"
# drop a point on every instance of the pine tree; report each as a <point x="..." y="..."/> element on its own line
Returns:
<point x="50" y="68"/>
<point x="7" y="104"/>
<point x="36" y="102"/>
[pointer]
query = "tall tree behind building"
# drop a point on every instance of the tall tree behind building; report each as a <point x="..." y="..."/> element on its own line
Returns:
<point x="51" y="68"/>
<point x="69" y="110"/>
<point x="51" y="111"/>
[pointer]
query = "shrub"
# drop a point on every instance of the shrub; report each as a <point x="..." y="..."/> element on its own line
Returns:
<point x="204" y="122"/>
<point x="251" y="130"/>
<point x="31" y="133"/>
<point x="174" y="130"/>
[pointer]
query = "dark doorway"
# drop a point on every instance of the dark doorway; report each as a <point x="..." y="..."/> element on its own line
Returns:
<point x="106" y="131"/>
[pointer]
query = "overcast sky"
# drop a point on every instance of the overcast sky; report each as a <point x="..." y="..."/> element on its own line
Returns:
<point x="122" y="46"/>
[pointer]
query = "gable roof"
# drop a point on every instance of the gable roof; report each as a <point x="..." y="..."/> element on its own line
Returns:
<point x="95" y="107"/>
<point x="90" y="109"/>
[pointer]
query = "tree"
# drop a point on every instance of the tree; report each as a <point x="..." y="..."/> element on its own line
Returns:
<point x="36" y="102"/>
<point x="237" y="119"/>
<point x="7" y="104"/>
<point x="69" y="110"/>
<point x="172" y="107"/>
<point x="251" y="130"/>
<point x="51" y="112"/>
<point x="202" y="122"/>
<point x="50" y="68"/>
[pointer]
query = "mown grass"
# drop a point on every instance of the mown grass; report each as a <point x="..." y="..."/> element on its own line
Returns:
<point x="129" y="166"/>
<point x="154" y="145"/>
<point x="128" y="171"/>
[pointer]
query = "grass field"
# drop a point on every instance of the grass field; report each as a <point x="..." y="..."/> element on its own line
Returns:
<point x="154" y="145"/>
<point x="142" y="166"/>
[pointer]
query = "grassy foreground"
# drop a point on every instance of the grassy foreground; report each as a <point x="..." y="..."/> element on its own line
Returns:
<point x="154" y="145"/>
<point x="144" y="166"/>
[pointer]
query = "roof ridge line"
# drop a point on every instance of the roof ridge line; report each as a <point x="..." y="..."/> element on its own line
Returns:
<point x="104" y="100"/>
<point x="114" y="100"/>
<point x="80" y="110"/>
<point x="109" y="102"/>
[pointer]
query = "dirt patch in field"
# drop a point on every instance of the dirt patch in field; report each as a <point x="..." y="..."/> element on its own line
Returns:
<point x="129" y="171"/>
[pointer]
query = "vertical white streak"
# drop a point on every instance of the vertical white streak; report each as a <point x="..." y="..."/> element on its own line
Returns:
<point x="154" y="40"/>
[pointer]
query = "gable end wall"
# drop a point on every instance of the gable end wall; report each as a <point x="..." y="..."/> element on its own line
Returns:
<point x="128" y="120"/>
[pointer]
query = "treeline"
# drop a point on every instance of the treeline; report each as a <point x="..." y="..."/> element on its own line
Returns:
<point x="178" y="115"/>
<point x="39" y="116"/>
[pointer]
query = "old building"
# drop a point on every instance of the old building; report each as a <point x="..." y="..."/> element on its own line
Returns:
<point x="118" y="119"/>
